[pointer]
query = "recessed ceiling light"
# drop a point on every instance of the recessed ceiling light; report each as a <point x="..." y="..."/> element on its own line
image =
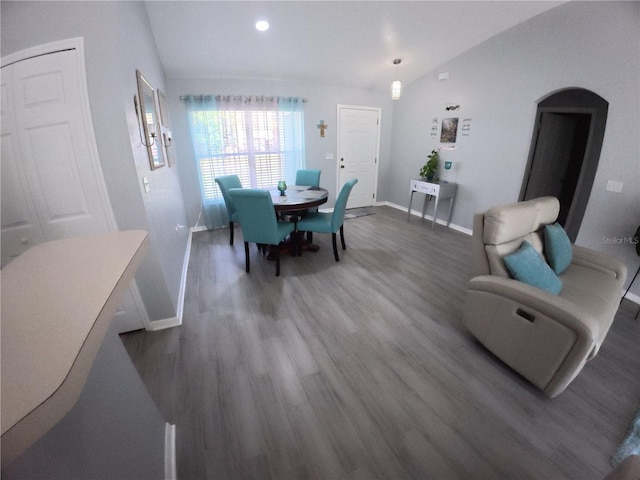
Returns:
<point x="262" y="26"/>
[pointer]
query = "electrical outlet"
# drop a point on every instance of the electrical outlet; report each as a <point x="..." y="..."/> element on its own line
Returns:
<point x="614" y="186"/>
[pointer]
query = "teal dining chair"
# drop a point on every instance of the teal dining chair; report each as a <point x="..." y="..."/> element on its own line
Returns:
<point x="258" y="222"/>
<point x="310" y="178"/>
<point x="226" y="183"/>
<point x="330" y="222"/>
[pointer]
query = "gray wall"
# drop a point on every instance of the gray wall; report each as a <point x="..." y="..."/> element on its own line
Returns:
<point x="322" y="105"/>
<point x="593" y="45"/>
<point x="113" y="431"/>
<point x="118" y="40"/>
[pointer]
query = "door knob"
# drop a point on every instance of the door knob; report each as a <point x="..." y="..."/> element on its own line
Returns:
<point x="341" y="166"/>
<point x="342" y="159"/>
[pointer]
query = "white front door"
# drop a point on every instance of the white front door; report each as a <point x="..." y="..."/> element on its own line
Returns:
<point x="358" y="147"/>
<point x="52" y="184"/>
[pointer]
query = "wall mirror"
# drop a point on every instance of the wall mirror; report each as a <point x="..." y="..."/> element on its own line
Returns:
<point x="149" y="122"/>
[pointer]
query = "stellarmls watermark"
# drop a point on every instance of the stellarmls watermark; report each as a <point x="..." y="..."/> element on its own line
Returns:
<point x="620" y="240"/>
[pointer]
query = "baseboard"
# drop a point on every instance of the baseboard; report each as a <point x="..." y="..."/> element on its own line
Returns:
<point x="170" y="471"/>
<point x="632" y="297"/>
<point x="164" y="323"/>
<point x="183" y="277"/>
<point x="176" y="321"/>
<point x="439" y="221"/>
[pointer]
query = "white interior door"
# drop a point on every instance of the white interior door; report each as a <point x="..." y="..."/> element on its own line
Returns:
<point x="52" y="184"/>
<point x="19" y="220"/>
<point x="55" y="148"/>
<point x="358" y="149"/>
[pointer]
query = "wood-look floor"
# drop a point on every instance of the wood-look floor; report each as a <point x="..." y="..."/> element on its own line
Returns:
<point x="362" y="369"/>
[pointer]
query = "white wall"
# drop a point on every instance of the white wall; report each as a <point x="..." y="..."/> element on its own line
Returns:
<point x="117" y="41"/>
<point x="593" y="45"/>
<point x="322" y="105"/>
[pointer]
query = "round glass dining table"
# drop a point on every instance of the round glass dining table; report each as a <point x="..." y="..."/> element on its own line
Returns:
<point x="298" y="198"/>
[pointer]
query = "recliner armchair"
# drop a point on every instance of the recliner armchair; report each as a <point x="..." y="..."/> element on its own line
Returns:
<point x="547" y="338"/>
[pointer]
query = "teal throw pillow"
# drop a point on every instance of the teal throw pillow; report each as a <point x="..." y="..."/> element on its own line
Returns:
<point x="557" y="248"/>
<point x="528" y="266"/>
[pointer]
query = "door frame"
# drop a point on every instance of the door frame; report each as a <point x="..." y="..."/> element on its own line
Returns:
<point x="377" y="163"/>
<point x="77" y="44"/>
<point x="580" y="101"/>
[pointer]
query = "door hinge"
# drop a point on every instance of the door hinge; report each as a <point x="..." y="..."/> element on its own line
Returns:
<point x="374" y="195"/>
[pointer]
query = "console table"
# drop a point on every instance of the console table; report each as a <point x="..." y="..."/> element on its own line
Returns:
<point x="441" y="191"/>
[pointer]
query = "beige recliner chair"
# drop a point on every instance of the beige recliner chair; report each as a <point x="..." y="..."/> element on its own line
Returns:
<point x="545" y="337"/>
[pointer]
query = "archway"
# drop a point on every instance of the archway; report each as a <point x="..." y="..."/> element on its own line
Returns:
<point x="565" y="150"/>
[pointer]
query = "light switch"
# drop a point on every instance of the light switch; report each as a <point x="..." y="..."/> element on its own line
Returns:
<point x="328" y="156"/>
<point x="145" y="184"/>
<point x="614" y="186"/>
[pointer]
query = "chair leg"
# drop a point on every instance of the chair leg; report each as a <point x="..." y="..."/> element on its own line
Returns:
<point x="344" y="246"/>
<point x="276" y="252"/>
<point x="335" y="247"/>
<point x="246" y="256"/>
<point x="309" y="237"/>
<point x="230" y="233"/>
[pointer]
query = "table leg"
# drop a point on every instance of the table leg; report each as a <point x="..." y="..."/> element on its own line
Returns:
<point x="435" y="213"/>
<point x="409" y="209"/>
<point x="450" y="210"/>
<point x="289" y="246"/>
<point x="427" y="198"/>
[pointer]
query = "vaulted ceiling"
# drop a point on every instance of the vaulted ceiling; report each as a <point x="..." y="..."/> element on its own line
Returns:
<point x="327" y="42"/>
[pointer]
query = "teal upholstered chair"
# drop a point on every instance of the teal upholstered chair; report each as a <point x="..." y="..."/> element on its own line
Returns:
<point x="312" y="179"/>
<point x="308" y="177"/>
<point x="330" y="222"/>
<point x="226" y="183"/>
<point x="258" y="221"/>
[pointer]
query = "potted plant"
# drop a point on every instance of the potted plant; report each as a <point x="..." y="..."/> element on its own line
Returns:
<point x="429" y="169"/>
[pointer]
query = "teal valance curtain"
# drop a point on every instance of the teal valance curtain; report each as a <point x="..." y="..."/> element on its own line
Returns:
<point x="258" y="138"/>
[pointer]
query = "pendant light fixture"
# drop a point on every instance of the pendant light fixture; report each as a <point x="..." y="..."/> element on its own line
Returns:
<point x="396" y="85"/>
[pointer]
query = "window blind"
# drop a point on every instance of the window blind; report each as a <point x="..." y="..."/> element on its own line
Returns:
<point x="250" y="144"/>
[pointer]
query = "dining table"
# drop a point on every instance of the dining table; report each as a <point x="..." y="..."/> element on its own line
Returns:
<point x="297" y="199"/>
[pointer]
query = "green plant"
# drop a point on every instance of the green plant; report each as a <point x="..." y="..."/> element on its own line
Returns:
<point x="429" y="169"/>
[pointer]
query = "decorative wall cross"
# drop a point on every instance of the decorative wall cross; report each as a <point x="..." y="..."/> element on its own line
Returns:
<point x="322" y="126"/>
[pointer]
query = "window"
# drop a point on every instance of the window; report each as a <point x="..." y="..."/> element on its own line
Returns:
<point x="249" y="143"/>
<point x="258" y="138"/>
